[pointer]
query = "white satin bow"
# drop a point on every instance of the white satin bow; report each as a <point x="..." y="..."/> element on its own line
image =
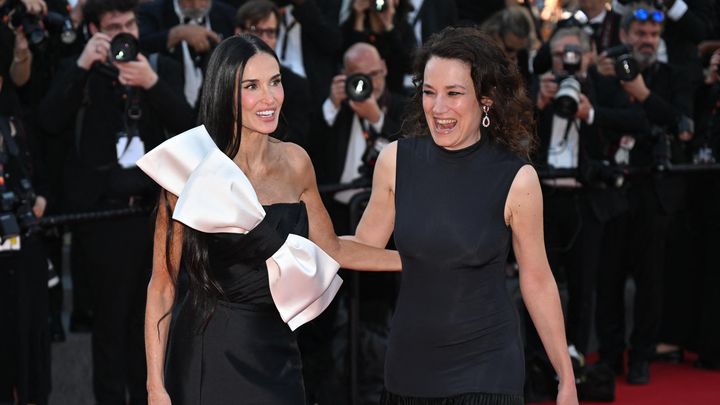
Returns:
<point x="215" y="196"/>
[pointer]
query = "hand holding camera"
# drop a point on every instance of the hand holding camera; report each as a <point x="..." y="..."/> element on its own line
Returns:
<point x="136" y="73"/>
<point x="358" y="89"/>
<point x="380" y="12"/>
<point x="96" y="50"/>
<point x="36" y="7"/>
<point x="548" y="89"/>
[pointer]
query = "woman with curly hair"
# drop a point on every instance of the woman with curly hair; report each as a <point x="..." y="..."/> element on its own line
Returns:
<point x="456" y="201"/>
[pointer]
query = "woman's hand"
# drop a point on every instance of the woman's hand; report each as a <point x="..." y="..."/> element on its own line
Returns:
<point x="567" y="394"/>
<point x="159" y="397"/>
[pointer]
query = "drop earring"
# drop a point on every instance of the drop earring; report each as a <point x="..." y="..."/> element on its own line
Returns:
<point x="486" y="118"/>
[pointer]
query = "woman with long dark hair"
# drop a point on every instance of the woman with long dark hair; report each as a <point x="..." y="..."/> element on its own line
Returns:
<point x="457" y="195"/>
<point x="241" y="213"/>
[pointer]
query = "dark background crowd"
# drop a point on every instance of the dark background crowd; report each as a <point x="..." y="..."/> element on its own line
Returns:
<point x="626" y="97"/>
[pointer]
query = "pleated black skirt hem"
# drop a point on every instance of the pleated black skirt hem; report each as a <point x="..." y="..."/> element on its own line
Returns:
<point x="472" y="398"/>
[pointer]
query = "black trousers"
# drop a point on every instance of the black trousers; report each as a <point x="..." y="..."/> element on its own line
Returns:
<point x="691" y="307"/>
<point x="25" y="340"/>
<point x="573" y="236"/>
<point x="118" y="253"/>
<point x="634" y="244"/>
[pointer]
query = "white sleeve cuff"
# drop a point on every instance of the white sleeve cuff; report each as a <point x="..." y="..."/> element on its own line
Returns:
<point x="329" y="112"/>
<point x="378" y="125"/>
<point x="591" y="116"/>
<point x="620" y="8"/>
<point x="677" y="10"/>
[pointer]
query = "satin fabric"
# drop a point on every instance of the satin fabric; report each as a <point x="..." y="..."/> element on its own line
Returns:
<point x="215" y="196"/>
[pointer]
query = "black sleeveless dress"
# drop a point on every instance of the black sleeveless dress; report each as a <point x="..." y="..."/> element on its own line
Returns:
<point x="246" y="354"/>
<point x="455" y="336"/>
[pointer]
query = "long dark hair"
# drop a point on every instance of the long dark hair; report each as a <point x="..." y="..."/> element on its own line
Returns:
<point x="494" y="76"/>
<point x="221" y="113"/>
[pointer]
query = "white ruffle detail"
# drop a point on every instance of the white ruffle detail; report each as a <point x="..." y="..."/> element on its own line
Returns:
<point x="171" y="162"/>
<point x="215" y="196"/>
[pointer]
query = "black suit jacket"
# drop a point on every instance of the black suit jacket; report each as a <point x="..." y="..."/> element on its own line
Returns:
<point x="436" y="15"/>
<point x="294" y="125"/>
<point x="683" y="36"/>
<point x="330" y="145"/>
<point x="321" y="39"/>
<point x="157" y="17"/>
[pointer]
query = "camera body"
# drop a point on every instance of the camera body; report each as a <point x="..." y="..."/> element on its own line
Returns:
<point x="626" y="67"/>
<point x="358" y="87"/>
<point x="17" y="195"/>
<point x="567" y="98"/>
<point x="38" y="29"/>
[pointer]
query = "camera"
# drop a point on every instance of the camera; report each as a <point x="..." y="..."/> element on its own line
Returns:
<point x="626" y="67"/>
<point x="16" y="196"/>
<point x="380" y="5"/>
<point x="567" y="98"/>
<point x="123" y="48"/>
<point x="358" y="87"/>
<point x="37" y="29"/>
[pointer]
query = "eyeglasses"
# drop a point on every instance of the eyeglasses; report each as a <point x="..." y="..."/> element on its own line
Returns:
<point x="263" y="32"/>
<point x="643" y="14"/>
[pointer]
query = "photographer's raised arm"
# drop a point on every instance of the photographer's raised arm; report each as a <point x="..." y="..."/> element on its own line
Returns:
<point x="21" y="64"/>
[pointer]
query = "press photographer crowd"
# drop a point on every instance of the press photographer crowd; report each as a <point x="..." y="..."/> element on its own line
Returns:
<point x="627" y="115"/>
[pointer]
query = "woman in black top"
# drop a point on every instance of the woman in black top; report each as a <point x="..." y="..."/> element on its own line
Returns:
<point x="456" y="200"/>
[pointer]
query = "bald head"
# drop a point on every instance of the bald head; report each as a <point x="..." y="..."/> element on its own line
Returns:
<point x="361" y="53"/>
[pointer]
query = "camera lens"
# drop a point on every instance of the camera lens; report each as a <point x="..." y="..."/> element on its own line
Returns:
<point x="123" y="47"/>
<point x="380" y="5"/>
<point x="358" y="87"/>
<point x="567" y="98"/>
<point x="626" y="68"/>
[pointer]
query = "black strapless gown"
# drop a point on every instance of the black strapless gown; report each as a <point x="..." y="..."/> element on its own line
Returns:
<point x="246" y="354"/>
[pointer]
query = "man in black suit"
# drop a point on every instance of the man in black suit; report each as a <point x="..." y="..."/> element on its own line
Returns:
<point x="109" y="113"/>
<point x="310" y="42"/>
<point x="187" y="30"/>
<point x="636" y="242"/>
<point x="261" y="18"/>
<point x="576" y="209"/>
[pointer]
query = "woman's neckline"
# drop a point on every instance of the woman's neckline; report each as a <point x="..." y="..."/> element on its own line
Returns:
<point x="459" y="153"/>
<point x="282" y="203"/>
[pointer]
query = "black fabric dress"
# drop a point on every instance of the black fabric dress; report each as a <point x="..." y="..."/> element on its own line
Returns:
<point x="455" y="336"/>
<point x="246" y="354"/>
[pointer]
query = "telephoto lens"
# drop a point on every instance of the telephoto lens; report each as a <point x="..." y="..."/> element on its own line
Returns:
<point x="358" y="87"/>
<point x="124" y="48"/>
<point x="567" y="98"/>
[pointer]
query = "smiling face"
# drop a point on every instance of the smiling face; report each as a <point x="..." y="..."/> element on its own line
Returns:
<point x="261" y="94"/>
<point x="452" y="110"/>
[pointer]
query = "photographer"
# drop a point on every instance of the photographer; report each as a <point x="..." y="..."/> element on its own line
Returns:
<point x="24" y="343"/>
<point x="112" y="104"/>
<point x="636" y="241"/>
<point x="575" y="125"/>
<point x="187" y="30"/>
<point x="383" y="24"/>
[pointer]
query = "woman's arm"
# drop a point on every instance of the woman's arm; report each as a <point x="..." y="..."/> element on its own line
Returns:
<point x="378" y="220"/>
<point x="349" y="253"/>
<point x="160" y="298"/>
<point x="524" y="214"/>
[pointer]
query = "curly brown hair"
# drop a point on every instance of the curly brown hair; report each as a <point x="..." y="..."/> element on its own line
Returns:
<point x="494" y="76"/>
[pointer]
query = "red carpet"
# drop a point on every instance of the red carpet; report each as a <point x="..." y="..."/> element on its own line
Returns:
<point x="670" y="384"/>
